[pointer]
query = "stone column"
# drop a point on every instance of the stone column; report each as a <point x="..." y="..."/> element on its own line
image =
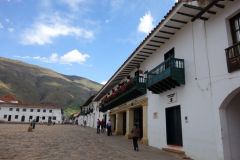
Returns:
<point x="119" y="123"/>
<point x="145" y="125"/>
<point x="129" y="122"/>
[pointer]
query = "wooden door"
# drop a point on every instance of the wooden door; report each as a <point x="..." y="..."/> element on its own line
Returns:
<point x="124" y="123"/>
<point x="138" y="119"/>
<point x="23" y="118"/>
<point x="9" y="117"/>
<point x="174" y="126"/>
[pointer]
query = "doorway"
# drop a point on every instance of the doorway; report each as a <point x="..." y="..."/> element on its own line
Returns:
<point x="138" y="119"/>
<point x="9" y="117"/>
<point x="105" y="119"/>
<point x="49" y="118"/>
<point x="169" y="54"/>
<point x="124" y="123"/>
<point x="37" y="120"/>
<point x="230" y="120"/>
<point x="114" y="128"/>
<point x="23" y="119"/>
<point x="174" y="126"/>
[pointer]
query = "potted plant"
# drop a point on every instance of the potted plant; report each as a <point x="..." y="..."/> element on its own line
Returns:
<point x="140" y="72"/>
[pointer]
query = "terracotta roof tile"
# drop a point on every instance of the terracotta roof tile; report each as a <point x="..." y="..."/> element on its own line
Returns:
<point x="4" y="99"/>
<point x="20" y="102"/>
<point x="11" y="97"/>
<point x="29" y="105"/>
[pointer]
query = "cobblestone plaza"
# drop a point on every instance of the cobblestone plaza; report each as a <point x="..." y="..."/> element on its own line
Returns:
<point x="69" y="142"/>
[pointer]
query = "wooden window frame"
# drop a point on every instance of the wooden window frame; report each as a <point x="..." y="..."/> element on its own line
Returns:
<point x="232" y="27"/>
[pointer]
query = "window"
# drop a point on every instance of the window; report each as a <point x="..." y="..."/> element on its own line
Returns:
<point x="16" y="116"/>
<point x="50" y="111"/>
<point x="44" y="110"/>
<point x="0" y="108"/>
<point x="5" y="116"/>
<point x="43" y="118"/>
<point x="38" y="110"/>
<point x="31" y="110"/>
<point x="17" y="109"/>
<point x="24" y="109"/>
<point x="10" y="109"/>
<point x="54" y="118"/>
<point x="235" y="27"/>
<point x="30" y="117"/>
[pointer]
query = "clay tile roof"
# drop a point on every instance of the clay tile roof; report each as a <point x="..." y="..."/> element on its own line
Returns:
<point x="4" y="99"/>
<point x="11" y="97"/>
<point x="30" y="105"/>
<point x="20" y="102"/>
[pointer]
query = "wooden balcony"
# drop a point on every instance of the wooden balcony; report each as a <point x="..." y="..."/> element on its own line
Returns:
<point x="136" y="90"/>
<point x="233" y="57"/>
<point x="166" y="75"/>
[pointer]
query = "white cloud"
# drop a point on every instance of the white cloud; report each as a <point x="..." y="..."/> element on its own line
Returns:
<point x="146" y="24"/>
<point x="73" y="56"/>
<point x="1" y="26"/>
<point x="46" y="28"/>
<point x="103" y="82"/>
<point x="72" y="3"/>
<point x="8" y="0"/>
<point x="22" y="57"/>
<point x="11" y="29"/>
<point x="176" y="0"/>
<point x="7" y="20"/>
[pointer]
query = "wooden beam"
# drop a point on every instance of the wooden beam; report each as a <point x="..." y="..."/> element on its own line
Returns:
<point x="140" y="58"/>
<point x="156" y="41"/>
<point x="219" y="5"/>
<point x="167" y="32"/>
<point x="161" y="37"/>
<point x="172" y="27"/>
<point x="175" y="20"/>
<point x="142" y="55"/>
<point x="197" y="8"/>
<point x="185" y="14"/>
<point x="146" y="52"/>
<point x="152" y="45"/>
<point x="136" y="61"/>
<point x="150" y="49"/>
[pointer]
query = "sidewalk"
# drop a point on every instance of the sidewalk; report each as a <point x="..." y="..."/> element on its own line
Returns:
<point x="145" y="152"/>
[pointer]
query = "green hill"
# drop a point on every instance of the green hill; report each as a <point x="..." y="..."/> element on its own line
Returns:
<point x="38" y="85"/>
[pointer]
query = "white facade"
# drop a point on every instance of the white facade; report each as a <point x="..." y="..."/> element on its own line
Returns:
<point x="21" y="113"/>
<point x="209" y="100"/>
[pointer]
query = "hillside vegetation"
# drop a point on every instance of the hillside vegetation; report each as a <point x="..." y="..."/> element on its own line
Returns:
<point x="38" y="85"/>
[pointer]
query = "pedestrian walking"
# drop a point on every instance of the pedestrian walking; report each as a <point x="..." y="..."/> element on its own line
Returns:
<point x="109" y="126"/>
<point x="135" y="135"/>
<point x="33" y="124"/>
<point x="84" y="122"/>
<point x="102" y="126"/>
<point x="98" y="126"/>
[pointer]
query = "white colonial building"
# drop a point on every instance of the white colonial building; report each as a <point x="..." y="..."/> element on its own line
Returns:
<point x="17" y="111"/>
<point x="90" y="112"/>
<point x="182" y="83"/>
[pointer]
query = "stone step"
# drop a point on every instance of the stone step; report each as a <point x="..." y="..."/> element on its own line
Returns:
<point x="174" y="152"/>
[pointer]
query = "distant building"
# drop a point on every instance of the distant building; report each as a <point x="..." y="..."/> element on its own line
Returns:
<point x="14" y="110"/>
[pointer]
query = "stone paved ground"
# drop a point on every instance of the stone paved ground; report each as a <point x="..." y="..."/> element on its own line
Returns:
<point x="69" y="142"/>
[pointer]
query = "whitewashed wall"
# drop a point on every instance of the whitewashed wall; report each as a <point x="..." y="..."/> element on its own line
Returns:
<point x="5" y="111"/>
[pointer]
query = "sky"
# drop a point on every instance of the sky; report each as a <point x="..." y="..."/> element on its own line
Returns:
<point x="86" y="38"/>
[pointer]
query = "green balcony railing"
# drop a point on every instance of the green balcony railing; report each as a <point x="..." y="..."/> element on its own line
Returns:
<point x="166" y="75"/>
<point x="136" y="89"/>
<point x="101" y="107"/>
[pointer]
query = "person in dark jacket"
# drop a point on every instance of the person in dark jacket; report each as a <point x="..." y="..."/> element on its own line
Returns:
<point x="135" y="135"/>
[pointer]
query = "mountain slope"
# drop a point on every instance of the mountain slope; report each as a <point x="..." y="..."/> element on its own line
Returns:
<point x="34" y="84"/>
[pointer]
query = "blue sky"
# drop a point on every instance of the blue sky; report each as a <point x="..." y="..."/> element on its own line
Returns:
<point x="87" y="38"/>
